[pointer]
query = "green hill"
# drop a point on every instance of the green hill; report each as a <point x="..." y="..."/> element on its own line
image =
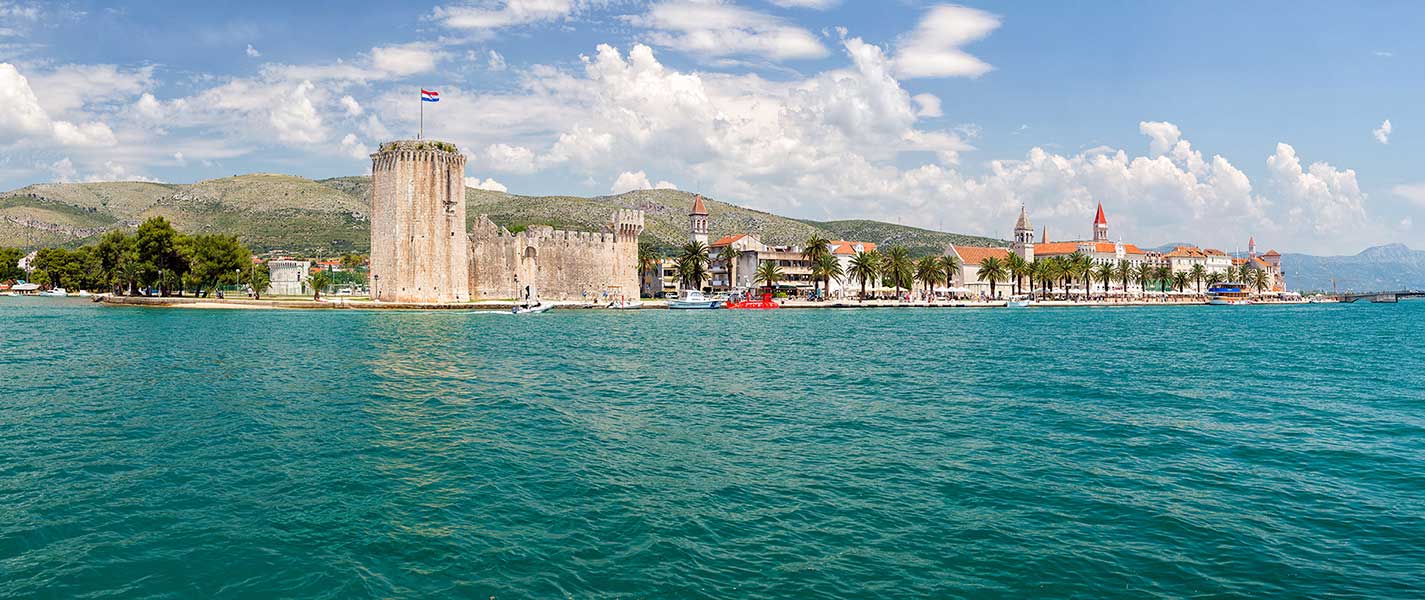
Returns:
<point x="301" y="216"/>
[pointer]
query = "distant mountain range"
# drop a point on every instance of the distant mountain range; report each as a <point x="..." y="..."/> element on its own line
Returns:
<point x="1381" y="268"/>
<point x="327" y="217"/>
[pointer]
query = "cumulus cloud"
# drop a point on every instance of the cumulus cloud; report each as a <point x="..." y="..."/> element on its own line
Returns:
<point x="351" y="146"/>
<point x="1382" y="133"/>
<point x="1320" y="198"/>
<point x="487" y="184"/>
<point x="716" y="28"/>
<point x="509" y="159"/>
<point x="933" y="49"/>
<point x="353" y="108"/>
<point x="629" y="181"/>
<point x="252" y="52"/>
<point x="405" y="59"/>
<point x="927" y="105"/>
<point x="296" y="119"/>
<point x="24" y="117"/>
<point x="494" y="61"/>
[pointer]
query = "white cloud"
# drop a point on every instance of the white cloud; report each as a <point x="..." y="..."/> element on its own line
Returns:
<point x="933" y="49"/>
<point x="353" y="108"/>
<point x="405" y="59"/>
<point x="716" y="28"/>
<point x="87" y="134"/>
<point x="353" y="147"/>
<point x="1318" y="200"/>
<point x="63" y="170"/>
<point x="24" y="117"/>
<point x="1164" y="135"/>
<point x="1414" y="192"/>
<point x="927" y="105"/>
<point x="814" y="4"/>
<point x="179" y="159"/>
<point x="508" y="14"/>
<point x="494" y="61"/>
<point x="295" y="118"/>
<point x="1382" y="133"/>
<point x="509" y="159"/>
<point x="629" y="181"/>
<point x="665" y="185"/>
<point x="252" y="52"/>
<point x="487" y="184"/>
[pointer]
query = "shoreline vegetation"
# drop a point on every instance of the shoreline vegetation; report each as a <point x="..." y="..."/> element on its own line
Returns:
<point x="340" y="303"/>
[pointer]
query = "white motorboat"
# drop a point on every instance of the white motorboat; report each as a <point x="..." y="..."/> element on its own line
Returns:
<point x="1018" y="302"/>
<point x="694" y="299"/>
<point x="84" y="294"/>
<point x="55" y="293"/>
<point x="531" y="310"/>
<point x="622" y="303"/>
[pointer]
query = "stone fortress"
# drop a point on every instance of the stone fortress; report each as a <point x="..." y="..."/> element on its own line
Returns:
<point x="421" y="251"/>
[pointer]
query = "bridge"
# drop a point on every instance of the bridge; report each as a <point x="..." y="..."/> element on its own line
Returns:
<point x="1381" y="297"/>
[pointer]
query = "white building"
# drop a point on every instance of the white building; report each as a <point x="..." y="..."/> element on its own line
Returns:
<point x="288" y="276"/>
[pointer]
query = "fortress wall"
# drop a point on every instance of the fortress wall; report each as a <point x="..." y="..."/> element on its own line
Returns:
<point x="561" y="265"/>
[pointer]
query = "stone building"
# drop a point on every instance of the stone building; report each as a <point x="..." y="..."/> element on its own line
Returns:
<point x="421" y="250"/>
<point x="287" y="276"/>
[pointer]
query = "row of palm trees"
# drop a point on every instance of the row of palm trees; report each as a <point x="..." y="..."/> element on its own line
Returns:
<point x="1079" y="267"/>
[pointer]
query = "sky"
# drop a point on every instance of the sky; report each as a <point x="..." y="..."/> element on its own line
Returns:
<point x="1297" y="123"/>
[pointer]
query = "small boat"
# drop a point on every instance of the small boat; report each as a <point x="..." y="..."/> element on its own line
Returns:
<point x="765" y="303"/>
<point x="1019" y="303"/>
<point x="55" y="293"/>
<point x="694" y="299"/>
<point x="622" y="303"/>
<point x="531" y="310"/>
<point x="84" y="294"/>
<point x="1228" y="294"/>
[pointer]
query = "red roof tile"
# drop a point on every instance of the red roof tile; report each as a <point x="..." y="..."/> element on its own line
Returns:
<point x="698" y="208"/>
<point x="973" y="255"/>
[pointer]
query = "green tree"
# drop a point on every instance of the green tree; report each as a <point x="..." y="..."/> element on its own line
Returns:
<point x="1180" y="281"/>
<point x="899" y="269"/>
<point x="160" y="253"/>
<point x="112" y="251"/>
<point x="217" y="259"/>
<point x="927" y="271"/>
<point x="692" y="264"/>
<point x="769" y="274"/>
<point x="1198" y="272"/>
<point x="1165" y="277"/>
<point x="865" y="266"/>
<point x="318" y="281"/>
<point x="729" y="255"/>
<point x="1260" y="280"/>
<point x="10" y="264"/>
<point x="813" y="249"/>
<point x="1145" y="273"/>
<point x="992" y="270"/>
<point x="1125" y="273"/>
<point x="648" y="260"/>
<point x="826" y="268"/>
<point x="949" y="266"/>
<point x="259" y="278"/>
<point x="1105" y="273"/>
<point x="1017" y="268"/>
<point x="1214" y="278"/>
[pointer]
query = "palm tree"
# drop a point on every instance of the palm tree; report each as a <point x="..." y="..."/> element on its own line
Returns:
<point x="319" y="281"/>
<point x="648" y="260"/>
<point x="1017" y="268"/>
<point x="770" y="274"/>
<point x="1198" y="272"/>
<point x="1214" y="278"/>
<point x="865" y="266"/>
<point x="1165" y="277"/>
<point x="1080" y="266"/>
<point x="1125" y="273"/>
<point x="827" y="267"/>
<point x="949" y="267"/>
<point x="1036" y="275"/>
<point x="729" y="255"/>
<point x="259" y="278"/>
<point x="899" y="269"/>
<point x="1054" y="271"/>
<point x="1260" y="280"/>
<point x="692" y="264"/>
<point x="1145" y="273"/>
<point x="927" y="271"/>
<point x="1106" y="272"/>
<point x="992" y="270"/>
<point x="1180" y="281"/>
<point x="812" y="250"/>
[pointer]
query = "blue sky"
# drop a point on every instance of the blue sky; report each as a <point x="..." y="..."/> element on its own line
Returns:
<point x="1204" y="122"/>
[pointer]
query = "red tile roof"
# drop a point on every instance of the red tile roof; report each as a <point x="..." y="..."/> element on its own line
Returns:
<point x="1058" y="248"/>
<point x="973" y="255"/>
<point x="1099" y="218"/>
<point x="698" y="208"/>
<point x="728" y="240"/>
<point x="1272" y="253"/>
<point x="847" y="248"/>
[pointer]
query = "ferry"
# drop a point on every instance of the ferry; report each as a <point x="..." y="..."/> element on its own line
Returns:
<point x="1228" y="294"/>
<point x="694" y="299"/>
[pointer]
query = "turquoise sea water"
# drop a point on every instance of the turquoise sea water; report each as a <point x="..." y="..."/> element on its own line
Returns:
<point x="1094" y="453"/>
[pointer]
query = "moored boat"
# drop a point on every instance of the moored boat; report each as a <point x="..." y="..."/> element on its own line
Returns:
<point x="1228" y="294"/>
<point x="1019" y="302"/>
<point x="622" y="303"/>
<point x="55" y="293"/>
<point x="764" y="303"/>
<point x="694" y="299"/>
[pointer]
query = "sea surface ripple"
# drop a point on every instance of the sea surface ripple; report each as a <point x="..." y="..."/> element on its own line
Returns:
<point x="1167" y="452"/>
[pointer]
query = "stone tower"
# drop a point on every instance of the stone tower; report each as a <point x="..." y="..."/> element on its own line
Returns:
<point x="627" y="225"/>
<point x="1024" y="236"/>
<point x="1100" y="226"/>
<point x="419" y="249"/>
<point x="698" y="222"/>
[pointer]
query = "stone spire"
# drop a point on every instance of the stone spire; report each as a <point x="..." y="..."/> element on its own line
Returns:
<point x="1100" y="225"/>
<point x="1024" y="236"/>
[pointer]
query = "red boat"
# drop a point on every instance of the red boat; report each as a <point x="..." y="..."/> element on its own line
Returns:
<point x="766" y="303"/>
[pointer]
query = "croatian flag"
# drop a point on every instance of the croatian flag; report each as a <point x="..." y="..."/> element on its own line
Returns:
<point x="429" y="96"/>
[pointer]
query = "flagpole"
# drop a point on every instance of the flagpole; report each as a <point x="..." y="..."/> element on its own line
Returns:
<point x="422" y="132"/>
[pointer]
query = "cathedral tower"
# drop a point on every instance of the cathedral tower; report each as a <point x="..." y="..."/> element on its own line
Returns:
<point x="698" y="222"/>
<point x="1024" y="236"/>
<point x="419" y="249"/>
<point x="1100" y="226"/>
